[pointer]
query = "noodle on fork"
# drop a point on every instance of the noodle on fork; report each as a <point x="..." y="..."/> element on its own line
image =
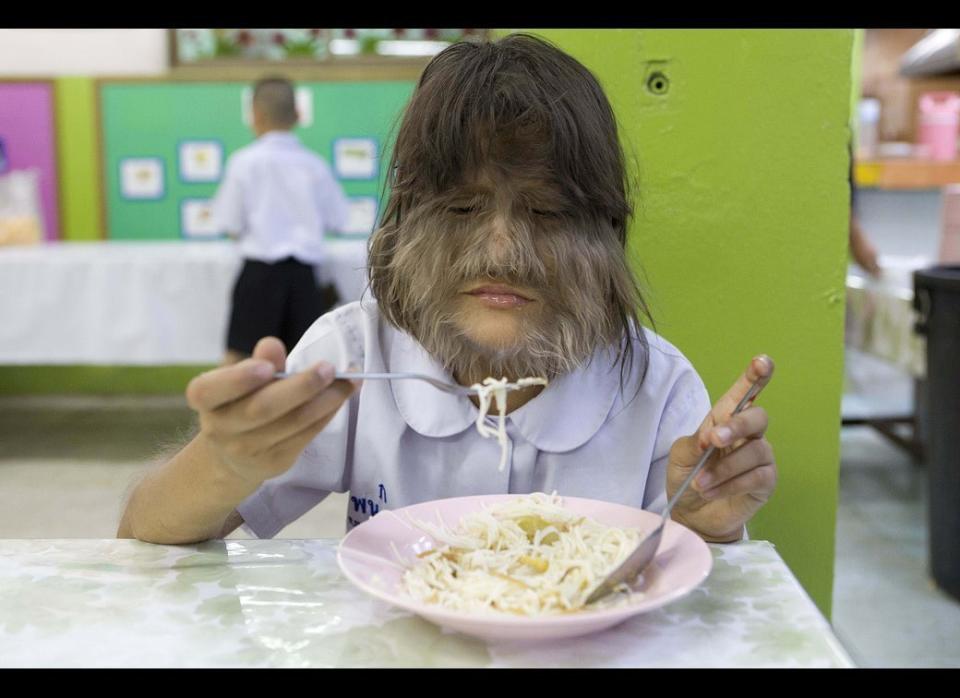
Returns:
<point x="488" y="390"/>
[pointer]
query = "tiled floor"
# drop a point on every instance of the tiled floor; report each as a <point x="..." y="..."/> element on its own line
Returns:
<point x="65" y="467"/>
<point x="887" y="610"/>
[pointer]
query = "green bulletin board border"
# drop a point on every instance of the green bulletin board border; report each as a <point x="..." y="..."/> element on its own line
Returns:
<point x="133" y="108"/>
<point x="350" y="71"/>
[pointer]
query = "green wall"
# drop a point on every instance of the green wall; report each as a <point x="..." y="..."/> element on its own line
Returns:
<point x="856" y="77"/>
<point x="98" y="380"/>
<point x="77" y="159"/>
<point x="741" y="229"/>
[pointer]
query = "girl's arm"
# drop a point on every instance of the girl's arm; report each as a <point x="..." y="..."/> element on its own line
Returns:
<point x="252" y="429"/>
<point x="189" y="499"/>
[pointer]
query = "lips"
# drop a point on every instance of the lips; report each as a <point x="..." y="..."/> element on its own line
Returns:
<point x="499" y="296"/>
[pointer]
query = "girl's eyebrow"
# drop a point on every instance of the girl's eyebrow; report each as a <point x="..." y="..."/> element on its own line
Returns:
<point x="544" y="194"/>
<point x="467" y="193"/>
<point x="533" y="189"/>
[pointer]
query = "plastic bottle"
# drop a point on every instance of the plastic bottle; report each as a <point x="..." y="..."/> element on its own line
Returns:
<point x="939" y="121"/>
<point x="868" y="128"/>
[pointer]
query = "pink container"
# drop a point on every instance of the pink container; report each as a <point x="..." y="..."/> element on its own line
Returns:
<point x="939" y="123"/>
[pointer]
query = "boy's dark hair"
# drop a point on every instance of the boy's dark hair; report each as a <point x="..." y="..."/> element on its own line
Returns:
<point x="518" y="105"/>
<point x="274" y="98"/>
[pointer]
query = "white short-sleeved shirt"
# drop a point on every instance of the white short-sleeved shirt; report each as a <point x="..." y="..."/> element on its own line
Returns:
<point x="279" y="198"/>
<point x="397" y="443"/>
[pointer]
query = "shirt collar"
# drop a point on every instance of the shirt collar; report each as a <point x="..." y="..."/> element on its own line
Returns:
<point x="428" y="411"/>
<point x="564" y="416"/>
<point x="279" y="136"/>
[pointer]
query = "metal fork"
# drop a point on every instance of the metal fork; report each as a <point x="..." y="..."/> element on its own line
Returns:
<point x="438" y="384"/>
<point x="645" y="551"/>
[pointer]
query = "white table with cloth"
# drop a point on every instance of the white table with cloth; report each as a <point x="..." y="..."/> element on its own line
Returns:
<point x="885" y="360"/>
<point x="285" y="603"/>
<point x="881" y="316"/>
<point x="133" y="303"/>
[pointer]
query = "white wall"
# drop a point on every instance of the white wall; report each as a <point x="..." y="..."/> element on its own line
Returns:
<point x="93" y="52"/>
<point x="902" y="223"/>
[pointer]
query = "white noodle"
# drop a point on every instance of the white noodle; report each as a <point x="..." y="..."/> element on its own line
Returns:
<point x="490" y="562"/>
<point x="498" y="389"/>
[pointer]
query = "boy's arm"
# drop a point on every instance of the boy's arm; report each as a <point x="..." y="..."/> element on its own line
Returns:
<point x="252" y="429"/>
<point x="333" y="202"/>
<point x="864" y="253"/>
<point x="228" y="210"/>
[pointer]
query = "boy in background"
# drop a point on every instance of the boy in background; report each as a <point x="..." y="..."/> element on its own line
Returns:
<point x="277" y="198"/>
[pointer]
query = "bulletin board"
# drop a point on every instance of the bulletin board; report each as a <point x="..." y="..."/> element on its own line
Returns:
<point x="164" y="147"/>
<point x="28" y="141"/>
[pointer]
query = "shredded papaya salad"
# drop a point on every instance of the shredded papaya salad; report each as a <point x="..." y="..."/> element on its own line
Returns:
<point x="529" y="556"/>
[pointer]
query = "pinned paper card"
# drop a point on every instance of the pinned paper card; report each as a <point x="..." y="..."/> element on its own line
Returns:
<point x="305" y="106"/>
<point x="141" y="178"/>
<point x="355" y="158"/>
<point x="304" y="101"/>
<point x="200" y="161"/>
<point x="362" y="217"/>
<point x="196" y="219"/>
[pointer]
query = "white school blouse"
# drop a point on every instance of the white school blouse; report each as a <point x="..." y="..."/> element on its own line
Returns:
<point x="396" y="443"/>
<point x="279" y="198"/>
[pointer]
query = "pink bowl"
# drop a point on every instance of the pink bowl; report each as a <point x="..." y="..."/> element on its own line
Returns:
<point x="366" y="557"/>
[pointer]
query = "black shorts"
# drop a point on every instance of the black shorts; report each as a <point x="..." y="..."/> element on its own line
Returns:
<point x="281" y="300"/>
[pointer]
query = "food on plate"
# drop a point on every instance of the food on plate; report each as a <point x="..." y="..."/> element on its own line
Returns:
<point x="528" y="556"/>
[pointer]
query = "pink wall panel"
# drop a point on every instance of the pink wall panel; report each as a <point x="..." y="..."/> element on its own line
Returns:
<point x="29" y="139"/>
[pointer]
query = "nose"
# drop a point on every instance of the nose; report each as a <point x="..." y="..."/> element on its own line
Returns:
<point x="501" y="240"/>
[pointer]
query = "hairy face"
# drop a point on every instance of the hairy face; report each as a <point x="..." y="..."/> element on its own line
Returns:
<point x="501" y="245"/>
<point x="499" y="277"/>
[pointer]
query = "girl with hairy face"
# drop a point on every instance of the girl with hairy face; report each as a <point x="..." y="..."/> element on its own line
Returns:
<point x="496" y="278"/>
<point x="500" y="253"/>
<point x="502" y="247"/>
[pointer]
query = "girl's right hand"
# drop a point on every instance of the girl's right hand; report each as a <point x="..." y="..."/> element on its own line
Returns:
<point x="257" y="426"/>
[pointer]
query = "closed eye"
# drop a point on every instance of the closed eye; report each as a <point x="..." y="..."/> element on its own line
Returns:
<point x="545" y="212"/>
<point x="462" y="210"/>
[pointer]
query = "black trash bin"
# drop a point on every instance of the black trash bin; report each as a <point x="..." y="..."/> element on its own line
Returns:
<point x="937" y="300"/>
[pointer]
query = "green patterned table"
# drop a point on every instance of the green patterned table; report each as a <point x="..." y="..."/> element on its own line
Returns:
<point x="284" y="603"/>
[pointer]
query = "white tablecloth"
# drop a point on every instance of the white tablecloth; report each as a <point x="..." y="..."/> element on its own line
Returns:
<point x="285" y="603"/>
<point x="132" y="303"/>
<point x="880" y="315"/>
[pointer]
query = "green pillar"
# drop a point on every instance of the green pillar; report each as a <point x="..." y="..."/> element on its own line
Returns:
<point x="741" y="230"/>
<point x="77" y="158"/>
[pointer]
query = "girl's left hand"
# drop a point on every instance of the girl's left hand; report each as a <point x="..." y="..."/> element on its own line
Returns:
<point x="740" y="476"/>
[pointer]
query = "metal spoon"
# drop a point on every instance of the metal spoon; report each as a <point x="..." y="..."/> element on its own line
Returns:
<point x="644" y="553"/>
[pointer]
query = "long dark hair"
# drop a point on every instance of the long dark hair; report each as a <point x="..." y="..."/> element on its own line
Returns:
<point x="519" y="104"/>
